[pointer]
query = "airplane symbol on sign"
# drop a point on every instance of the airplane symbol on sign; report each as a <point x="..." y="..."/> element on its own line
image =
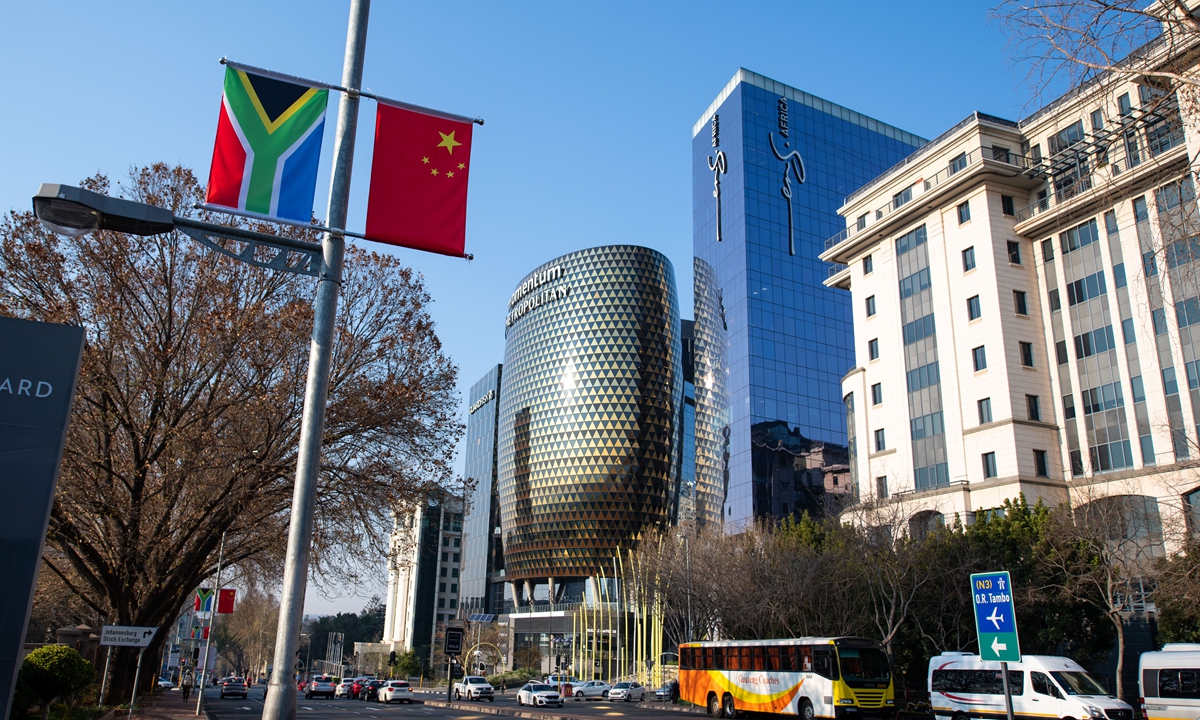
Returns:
<point x="995" y="617"/>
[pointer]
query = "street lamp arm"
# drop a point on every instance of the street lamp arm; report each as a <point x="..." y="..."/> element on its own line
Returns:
<point x="285" y="259"/>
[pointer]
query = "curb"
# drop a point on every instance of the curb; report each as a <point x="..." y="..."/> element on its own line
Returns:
<point x="668" y="707"/>
<point x="546" y="716"/>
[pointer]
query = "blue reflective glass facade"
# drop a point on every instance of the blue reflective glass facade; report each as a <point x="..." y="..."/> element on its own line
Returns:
<point x="785" y="161"/>
<point x="483" y="554"/>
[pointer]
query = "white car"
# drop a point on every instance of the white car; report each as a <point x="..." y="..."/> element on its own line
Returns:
<point x="591" y="689"/>
<point x="343" y="688"/>
<point x="627" y="691"/>
<point x="165" y="683"/>
<point x="539" y="694"/>
<point x="321" y="685"/>
<point x="398" y="690"/>
<point x="474" y="687"/>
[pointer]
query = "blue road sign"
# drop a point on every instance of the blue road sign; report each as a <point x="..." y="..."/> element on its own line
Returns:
<point x="995" y="617"/>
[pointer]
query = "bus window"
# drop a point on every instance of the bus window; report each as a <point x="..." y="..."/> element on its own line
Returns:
<point x="685" y="658"/>
<point x="806" y="663"/>
<point x="980" y="682"/>
<point x="773" y="659"/>
<point x="864" y="666"/>
<point x="760" y="655"/>
<point x="823" y="664"/>
<point x="789" y="659"/>
<point x="718" y="658"/>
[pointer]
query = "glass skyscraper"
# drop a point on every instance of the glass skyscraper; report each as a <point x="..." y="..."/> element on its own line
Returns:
<point x="771" y="165"/>
<point x="483" y="553"/>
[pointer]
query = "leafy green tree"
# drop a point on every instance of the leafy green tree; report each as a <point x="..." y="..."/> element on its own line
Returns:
<point x="407" y="664"/>
<point x="54" y="670"/>
<point x="1178" y="596"/>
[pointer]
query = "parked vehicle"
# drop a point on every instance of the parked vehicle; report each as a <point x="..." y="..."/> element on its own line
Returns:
<point x="343" y="688"/>
<point x="370" y="690"/>
<point x="234" y="686"/>
<point x="557" y="680"/>
<point x="663" y="694"/>
<point x="591" y="689"/>
<point x="627" y="691"/>
<point x="357" y="687"/>
<point x="802" y="674"/>
<point x="165" y="684"/>
<point x="1169" y="682"/>
<point x="321" y="685"/>
<point x="963" y="686"/>
<point x="474" y="687"/>
<point x="396" y="690"/>
<point x="539" y="694"/>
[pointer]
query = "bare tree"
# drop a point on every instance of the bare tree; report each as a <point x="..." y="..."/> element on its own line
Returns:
<point x="187" y="418"/>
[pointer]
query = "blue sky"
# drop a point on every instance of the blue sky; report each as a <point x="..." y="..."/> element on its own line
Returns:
<point x="588" y="108"/>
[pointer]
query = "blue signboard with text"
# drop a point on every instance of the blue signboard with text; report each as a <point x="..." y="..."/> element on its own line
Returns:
<point x="995" y="617"/>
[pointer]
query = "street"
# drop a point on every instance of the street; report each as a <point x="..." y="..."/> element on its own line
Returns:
<point x="340" y="709"/>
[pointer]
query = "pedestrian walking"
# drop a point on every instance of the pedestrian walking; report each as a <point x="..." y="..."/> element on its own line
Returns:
<point x="185" y="686"/>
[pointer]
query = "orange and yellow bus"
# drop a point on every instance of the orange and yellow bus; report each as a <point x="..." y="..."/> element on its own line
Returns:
<point x="846" y="678"/>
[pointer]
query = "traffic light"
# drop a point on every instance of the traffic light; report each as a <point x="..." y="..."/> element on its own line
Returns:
<point x="195" y="653"/>
<point x="392" y="658"/>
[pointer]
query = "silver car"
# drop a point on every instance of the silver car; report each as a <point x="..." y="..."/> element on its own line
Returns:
<point x="591" y="689"/>
<point x="539" y="695"/>
<point x="628" y="691"/>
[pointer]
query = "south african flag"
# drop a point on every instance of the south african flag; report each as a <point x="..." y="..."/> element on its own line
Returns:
<point x="268" y="145"/>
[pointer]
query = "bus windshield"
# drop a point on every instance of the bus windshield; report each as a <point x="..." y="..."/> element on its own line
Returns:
<point x="1078" y="683"/>
<point x="864" y="665"/>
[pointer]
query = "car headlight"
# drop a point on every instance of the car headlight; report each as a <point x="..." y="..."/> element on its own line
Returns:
<point x="889" y="701"/>
<point x="1095" y="711"/>
<point x="845" y="701"/>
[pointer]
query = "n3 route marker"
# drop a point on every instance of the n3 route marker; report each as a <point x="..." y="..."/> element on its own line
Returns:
<point x="995" y="617"/>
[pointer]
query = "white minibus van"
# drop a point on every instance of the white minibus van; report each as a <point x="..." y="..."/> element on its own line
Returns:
<point x="962" y="686"/>
<point x="1169" y="682"/>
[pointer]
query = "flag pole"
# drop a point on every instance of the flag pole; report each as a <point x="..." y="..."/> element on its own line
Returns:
<point x="212" y="616"/>
<point x="280" y="703"/>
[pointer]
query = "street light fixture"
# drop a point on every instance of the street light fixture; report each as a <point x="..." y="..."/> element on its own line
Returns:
<point x="73" y="211"/>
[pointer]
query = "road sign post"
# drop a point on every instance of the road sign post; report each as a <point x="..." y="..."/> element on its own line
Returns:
<point x="453" y="648"/>
<point x="996" y="624"/>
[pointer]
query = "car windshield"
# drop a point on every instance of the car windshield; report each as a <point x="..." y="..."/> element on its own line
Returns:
<point x="864" y="665"/>
<point x="1078" y="683"/>
<point x="621" y="685"/>
<point x="539" y="688"/>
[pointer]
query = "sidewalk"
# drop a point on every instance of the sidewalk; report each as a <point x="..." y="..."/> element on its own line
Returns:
<point x="168" y="705"/>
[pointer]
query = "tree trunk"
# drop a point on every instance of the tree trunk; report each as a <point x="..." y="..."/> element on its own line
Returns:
<point x="1116" y="618"/>
<point x="46" y="709"/>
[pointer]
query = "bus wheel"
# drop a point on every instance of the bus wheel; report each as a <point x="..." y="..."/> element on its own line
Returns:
<point x="714" y="705"/>
<point x="806" y="710"/>
<point x="730" y="708"/>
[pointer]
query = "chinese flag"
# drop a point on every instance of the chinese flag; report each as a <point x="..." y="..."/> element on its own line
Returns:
<point x="225" y="598"/>
<point x="418" y="196"/>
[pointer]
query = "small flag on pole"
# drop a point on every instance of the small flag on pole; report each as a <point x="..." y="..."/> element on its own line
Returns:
<point x="204" y="600"/>
<point x="268" y="144"/>
<point x="199" y="632"/>
<point x="418" y="195"/>
<point x="225" y="601"/>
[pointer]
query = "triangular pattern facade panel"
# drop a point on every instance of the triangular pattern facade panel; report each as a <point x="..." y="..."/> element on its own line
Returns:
<point x="589" y="410"/>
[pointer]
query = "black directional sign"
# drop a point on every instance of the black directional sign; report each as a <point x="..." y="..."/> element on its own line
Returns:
<point x="454" y="638"/>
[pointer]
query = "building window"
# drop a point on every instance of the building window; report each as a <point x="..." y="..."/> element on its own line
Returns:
<point x="1097" y="120"/>
<point x="1123" y="104"/>
<point x="964" y="212"/>
<point x="881" y="488"/>
<point x="1047" y="250"/>
<point x="456" y="557"/>
<point x="453" y="588"/>
<point x="1034" y="406"/>
<point x="958" y="163"/>
<point x="457" y="542"/>
<point x="1139" y="390"/>
<point x="1119" y="275"/>
<point x="1026" y="354"/>
<point x="441" y="602"/>
<point x="871" y="306"/>
<point x="902" y="197"/>
<point x="877" y="393"/>
<point x="1060" y="350"/>
<point x="453" y="603"/>
<point x="441" y="587"/>
<point x="985" y="411"/>
<point x="445" y="557"/>
<point x="968" y="259"/>
<point x="873" y="349"/>
<point x="1068" y="407"/>
<point x="1006" y="205"/>
<point x="973" y="311"/>
<point x="989" y="465"/>
<point x="443" y="572"/>
<point x="1019" y="302"/>
<point x="868" y="265"/>
<point x="979" y="358"/>
<point x="1055" y="302"/>
<point x="1149" y="264"/>
<point x="1040" y="464"/>
<point x="861" y="223"/>
<point x="880" y="441"/>
<point x="1035" y="152"/>
<point x="445" y="541"/>
<point x="453" y="572"/>
<point x="1014" y="252"/>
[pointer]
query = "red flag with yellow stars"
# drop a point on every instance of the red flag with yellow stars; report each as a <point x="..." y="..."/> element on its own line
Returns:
<point x="418" y="195"/>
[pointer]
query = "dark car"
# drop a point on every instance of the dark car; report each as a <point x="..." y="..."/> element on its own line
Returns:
<point x="370" y="691"/>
